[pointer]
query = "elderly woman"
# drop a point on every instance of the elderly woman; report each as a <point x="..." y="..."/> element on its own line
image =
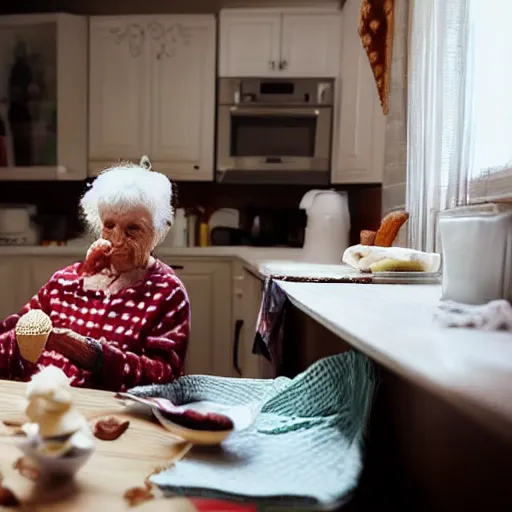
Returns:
<point x="122" y="317"/>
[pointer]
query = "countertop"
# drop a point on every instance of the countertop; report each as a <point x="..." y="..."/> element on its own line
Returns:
<point x="394" y="325"/>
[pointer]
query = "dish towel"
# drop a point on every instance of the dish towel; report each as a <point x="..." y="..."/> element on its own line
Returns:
<point x="268" y="338"/>
<point x="493" y="316"/>
<point x="304" y="449"/>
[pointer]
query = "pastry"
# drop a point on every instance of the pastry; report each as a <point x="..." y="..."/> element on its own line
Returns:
<point x="389" y="228"/>
<point x="364" y="258"/>
<point x="393" y="265"/>
<point x="32" y="331"/>
<point x="367" y="237"/>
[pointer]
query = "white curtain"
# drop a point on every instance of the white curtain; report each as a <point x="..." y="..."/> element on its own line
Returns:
<point x="436" y="110"/>
<point x="460" y="108"/>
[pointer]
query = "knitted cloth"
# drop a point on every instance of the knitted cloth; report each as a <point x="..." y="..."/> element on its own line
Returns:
<point x="493" y="316"/>
<point x="304" y="448"/>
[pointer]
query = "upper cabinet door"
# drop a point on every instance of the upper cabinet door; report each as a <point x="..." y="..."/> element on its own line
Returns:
<point x="182" y="95"/>
<point x="249" y="44"/>
<point x="359" y="130"/>
<point x="118" y="78"/>
<point x="43" y="97"/>
<point x="311" y="45"/>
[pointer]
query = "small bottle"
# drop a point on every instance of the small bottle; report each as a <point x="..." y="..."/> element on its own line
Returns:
<point x="203" y="229"/>
<point x="180" y="236"/>
<point x="203" y="234"/>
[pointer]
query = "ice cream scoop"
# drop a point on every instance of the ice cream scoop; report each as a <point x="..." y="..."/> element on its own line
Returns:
<point x="59" y="437"/>
<point x="50" y="404"/>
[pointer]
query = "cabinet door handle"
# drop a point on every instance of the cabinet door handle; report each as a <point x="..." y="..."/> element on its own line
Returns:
<point x="272" y="64"/>
<point x="177" y="267"/>
<point x="236" y="345"/>
<point x="283" y="64"/>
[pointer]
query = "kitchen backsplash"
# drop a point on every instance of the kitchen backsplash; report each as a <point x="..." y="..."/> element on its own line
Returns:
<point x="62" y="198"/>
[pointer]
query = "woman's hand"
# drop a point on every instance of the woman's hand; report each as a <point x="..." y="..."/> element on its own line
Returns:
<point x="81" y="351"/>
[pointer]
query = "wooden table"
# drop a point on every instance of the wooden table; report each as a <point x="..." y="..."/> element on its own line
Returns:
<point x="114" y="467"/>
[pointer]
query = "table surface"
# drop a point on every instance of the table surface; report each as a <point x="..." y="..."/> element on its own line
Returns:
<point x="394" y="325"/>
<point x="114" y="467"/>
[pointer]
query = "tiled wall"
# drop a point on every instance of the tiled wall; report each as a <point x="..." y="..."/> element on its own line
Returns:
<point x="393" y="187"/>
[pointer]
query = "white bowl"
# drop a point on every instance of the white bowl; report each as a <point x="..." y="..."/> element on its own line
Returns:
<point x="56" y="465"/>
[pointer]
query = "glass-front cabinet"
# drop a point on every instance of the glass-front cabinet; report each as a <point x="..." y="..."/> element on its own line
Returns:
<point x="43" y="97"/>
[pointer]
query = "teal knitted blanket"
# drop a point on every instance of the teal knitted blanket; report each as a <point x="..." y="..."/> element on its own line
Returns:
<point x="305" y="448"/>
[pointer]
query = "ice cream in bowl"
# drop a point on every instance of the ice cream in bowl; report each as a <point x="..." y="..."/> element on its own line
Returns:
<point x="58" y="437"/>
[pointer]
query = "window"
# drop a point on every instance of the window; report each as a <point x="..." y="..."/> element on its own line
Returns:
<point x="459" y="144"/>
<point x="489" y="78"/>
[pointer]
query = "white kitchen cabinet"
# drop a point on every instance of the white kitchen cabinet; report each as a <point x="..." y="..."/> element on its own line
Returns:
<point x="118" y="90"/>
<point x="249" y="44"/>
<point x="208" y="284"/>
<point x="279" y="43"/>
<point x="152" y="91"/>
<point x="14" y="292"/>
<point x="43" y="96"/>
<point x="359" y="124"/>
<point x="310" y="45"/>
<point x="222" y="294"/>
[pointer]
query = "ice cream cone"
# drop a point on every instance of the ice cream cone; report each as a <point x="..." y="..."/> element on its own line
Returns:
<point x="32" y="331"/>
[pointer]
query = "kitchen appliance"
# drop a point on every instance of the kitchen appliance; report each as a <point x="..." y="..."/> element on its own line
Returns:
<point x="328" y="226"/>
<point x="226" y="217"/>
<point x="273" y="227"/>
<point x="274" y="130"/>
<point x="224" y="235"/>
<point x="16" y="225"/>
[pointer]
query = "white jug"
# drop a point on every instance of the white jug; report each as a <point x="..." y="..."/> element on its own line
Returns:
<point x="328" y="226"/>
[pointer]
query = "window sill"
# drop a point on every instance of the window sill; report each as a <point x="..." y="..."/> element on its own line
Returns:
<point x="496" y="187"/>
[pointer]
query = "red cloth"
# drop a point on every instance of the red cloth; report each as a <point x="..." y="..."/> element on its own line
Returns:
<point x="144" y="329"/>
<point x="206" y="505"/>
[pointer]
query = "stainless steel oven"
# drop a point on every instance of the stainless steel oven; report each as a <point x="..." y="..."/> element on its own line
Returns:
<point x="274" y="130"/>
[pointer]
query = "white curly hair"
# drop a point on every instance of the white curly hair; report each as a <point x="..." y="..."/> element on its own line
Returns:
<point x="126" y="186"/>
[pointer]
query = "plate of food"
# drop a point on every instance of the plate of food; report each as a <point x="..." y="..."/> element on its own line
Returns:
<point x="394" y="264"/>
<point x="201" y="423"/>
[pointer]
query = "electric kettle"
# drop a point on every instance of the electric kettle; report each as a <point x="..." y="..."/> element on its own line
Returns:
<point x="328" y="226"/>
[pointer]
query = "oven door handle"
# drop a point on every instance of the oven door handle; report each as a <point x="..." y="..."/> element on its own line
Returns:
<point x="265" y="112"/>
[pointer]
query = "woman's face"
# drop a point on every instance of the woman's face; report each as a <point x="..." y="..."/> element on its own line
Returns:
<point x="131" y="234"/>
